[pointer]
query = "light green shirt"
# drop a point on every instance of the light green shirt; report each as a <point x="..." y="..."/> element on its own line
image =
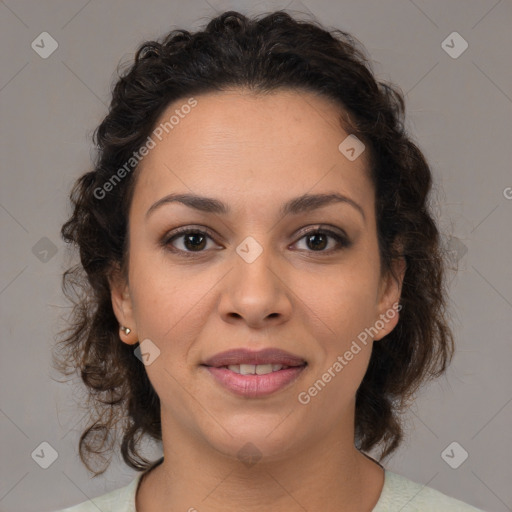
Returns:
<point x="398" y="494"/>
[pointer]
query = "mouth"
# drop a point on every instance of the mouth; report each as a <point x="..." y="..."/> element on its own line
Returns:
<point x="245" y="359"/>
<point x="255" y="374"/>
<point x="257" y="369"/>
<point x="253" y="385"/>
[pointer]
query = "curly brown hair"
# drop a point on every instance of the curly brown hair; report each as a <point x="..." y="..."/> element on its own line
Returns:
<point x="266" y="53"/>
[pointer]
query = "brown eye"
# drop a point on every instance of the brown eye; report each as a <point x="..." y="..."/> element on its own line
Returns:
<point x="190" y="240"/>
<point x="318" y="240"/>
<point x="194" y="241"/>
<point x="187" y="241"/>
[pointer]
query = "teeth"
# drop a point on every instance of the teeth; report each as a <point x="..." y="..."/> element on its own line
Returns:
<point x="263" y="369"/>
<point x="247" y="369"/>
<point x="255" y="369"/>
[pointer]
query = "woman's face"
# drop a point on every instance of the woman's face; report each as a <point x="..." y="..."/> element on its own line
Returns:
<point x="254" y="279"/>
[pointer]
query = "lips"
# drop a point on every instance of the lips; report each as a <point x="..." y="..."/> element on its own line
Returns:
<point x="268" y="356"/>
<point x="255" y="374"/>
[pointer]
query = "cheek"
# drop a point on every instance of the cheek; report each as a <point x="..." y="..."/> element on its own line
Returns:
<point x="344" y="348"/>
<point x="343" y="299"/>
<point x="170" y="307"/>
<point x="341" y="306"/>
<point x="163" y="309"/>
<point x="170" y="302"/>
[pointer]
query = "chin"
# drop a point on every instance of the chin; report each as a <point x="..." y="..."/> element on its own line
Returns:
<point x="255" y="440"/>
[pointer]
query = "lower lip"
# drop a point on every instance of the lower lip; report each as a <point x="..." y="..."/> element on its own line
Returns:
<point x="254" y="386"/>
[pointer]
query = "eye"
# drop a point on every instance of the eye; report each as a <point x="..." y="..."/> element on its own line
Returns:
<point x="189" y="240"/>
<point x="317" y="240"/>
<point x="193" y="240"/>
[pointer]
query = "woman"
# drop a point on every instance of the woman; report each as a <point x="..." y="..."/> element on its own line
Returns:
<point x="262" y="279"/>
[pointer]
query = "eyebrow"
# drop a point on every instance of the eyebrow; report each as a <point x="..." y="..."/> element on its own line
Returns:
<point x="295" y="206"/>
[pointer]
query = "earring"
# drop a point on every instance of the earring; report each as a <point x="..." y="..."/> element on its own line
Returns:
<point x="126" y="330"/>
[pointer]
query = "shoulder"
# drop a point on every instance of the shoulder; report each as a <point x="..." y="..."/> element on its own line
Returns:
<point x="118" y="500"/>
<point x="410" y="496"/>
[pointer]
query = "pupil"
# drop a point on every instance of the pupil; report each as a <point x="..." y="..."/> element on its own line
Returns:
<point x="322" y="244"/>
<point x="192" y="239"/>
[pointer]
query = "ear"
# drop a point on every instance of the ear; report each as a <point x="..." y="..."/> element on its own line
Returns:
<point x="123" y="307"/>
<point x="390" y="291"/>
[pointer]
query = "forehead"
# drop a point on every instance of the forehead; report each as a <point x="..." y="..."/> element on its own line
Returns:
<point x="240" y="122"/>
<point x="240" y="144"/>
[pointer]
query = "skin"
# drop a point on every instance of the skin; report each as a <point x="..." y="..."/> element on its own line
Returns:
<point x="255" y="152"/>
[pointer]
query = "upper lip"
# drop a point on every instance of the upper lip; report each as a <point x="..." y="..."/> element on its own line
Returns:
<point x="244" y="356"/>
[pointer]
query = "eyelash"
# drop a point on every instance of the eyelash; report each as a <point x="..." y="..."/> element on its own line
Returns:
<point x="343" y="241"/>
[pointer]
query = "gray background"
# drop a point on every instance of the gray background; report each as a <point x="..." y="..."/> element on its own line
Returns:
<point x="459" y="111"/>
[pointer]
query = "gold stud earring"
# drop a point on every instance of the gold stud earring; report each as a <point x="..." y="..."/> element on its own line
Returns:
<point x="126" y="330"/>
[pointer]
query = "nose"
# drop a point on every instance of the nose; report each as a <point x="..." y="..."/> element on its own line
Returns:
<point x="255" y="292"/>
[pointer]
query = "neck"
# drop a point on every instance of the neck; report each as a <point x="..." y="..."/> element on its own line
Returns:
<point x="325" y="474"/>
